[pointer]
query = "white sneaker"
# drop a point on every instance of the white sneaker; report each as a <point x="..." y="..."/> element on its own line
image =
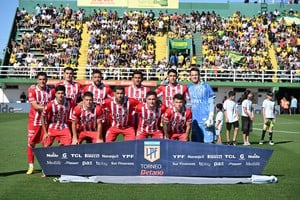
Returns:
<point x="261" y="142"/>
<point x="271" y="143"/>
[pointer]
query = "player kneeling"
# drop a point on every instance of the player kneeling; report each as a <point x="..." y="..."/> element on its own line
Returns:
<point x="87" y="121"/>
<point x="177" y="120"/>
<point x="57" y="113"/>
<point x="150" y="117"/>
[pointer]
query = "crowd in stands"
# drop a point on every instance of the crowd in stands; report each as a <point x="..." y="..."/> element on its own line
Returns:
<point x="286" y="41"/>
<point x="50" y="37"/>
<point x="127" y="42"/>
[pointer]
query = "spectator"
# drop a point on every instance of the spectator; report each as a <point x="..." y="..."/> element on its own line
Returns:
<point x="294" y="105"/>
<point x="23" y="97"/>
<point x="284" y="104"/>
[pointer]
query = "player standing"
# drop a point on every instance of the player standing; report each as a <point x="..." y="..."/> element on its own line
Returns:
<point x="137" y="90"/>
<point x="203" y="104"/>
<point x="121" y="110"/>
<point x="231" y="117"/>
<point x="73" y="88"/>
<point x="38" y="95"/>
<point x="247" y="116"/>
<point x="99" y="90"/>
<point x="150" y="117"/>
<point x="168" y="91"/>
<point x="268" y="112"/>
<point x="87" y="121"/>
<point x="57" y="113"/>
<point x="177" y="120"/>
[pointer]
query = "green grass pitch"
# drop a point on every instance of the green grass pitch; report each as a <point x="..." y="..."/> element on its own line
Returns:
<point x="15" y="184"/>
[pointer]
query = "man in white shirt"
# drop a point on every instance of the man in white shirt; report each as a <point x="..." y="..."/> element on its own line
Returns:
<point x="294" y="105"/>
<point x="231" y="117"/>
<point x="247" y="116"/>
<point x="268" y="112"/>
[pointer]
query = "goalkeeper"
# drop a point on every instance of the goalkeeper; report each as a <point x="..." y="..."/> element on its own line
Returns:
<point x="203" y="103"/>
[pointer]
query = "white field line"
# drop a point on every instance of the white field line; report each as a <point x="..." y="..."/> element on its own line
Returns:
<point x="279" y="131"/>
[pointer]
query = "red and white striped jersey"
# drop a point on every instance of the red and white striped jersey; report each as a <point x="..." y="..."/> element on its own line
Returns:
<point x="87" y="119"/>
<point x="99" y="93"/>
<point x="57" y="115"/>
<point x="168" y="92"/>
<point x="41" y="97"/>
<point x="138" y="93"/>
<point x="73" y="90"/>
<point x="121" y="115"/>
<point x="177" y="120"/>
<point x="149" y="120"/>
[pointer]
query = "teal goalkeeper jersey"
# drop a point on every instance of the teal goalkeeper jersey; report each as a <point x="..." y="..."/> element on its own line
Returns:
<point x="202" y="101"/>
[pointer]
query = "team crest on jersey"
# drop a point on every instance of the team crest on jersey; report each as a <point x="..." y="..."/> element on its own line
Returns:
<point x="152" y="150"/>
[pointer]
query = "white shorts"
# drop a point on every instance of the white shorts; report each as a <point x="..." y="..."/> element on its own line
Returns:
<point x="218" y="132"/>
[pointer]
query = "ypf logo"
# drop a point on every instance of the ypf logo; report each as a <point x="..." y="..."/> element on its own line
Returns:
<point x="151" y="150"/>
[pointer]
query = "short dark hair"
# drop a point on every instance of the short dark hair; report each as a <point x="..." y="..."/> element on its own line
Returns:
<point x="60" y="88"/>
<point x="195" y="69"/>
<point x="149" y="93"/>
<point x="119" y="88"/>
<point x="41" y="74"/>
<point x="179" y="97"/>
<point x="172" y="71"/>
<point x="88" y="94"/>
<point x="137" y="72"/>
<point x="270" y="94"/>
<point x="97" y="71"/>
<point x="219" y="106"/>
<point x="68" y="69"/>
<point x="231" y="93"/>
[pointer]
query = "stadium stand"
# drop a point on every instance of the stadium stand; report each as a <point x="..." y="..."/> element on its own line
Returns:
<point x="50" y="37"/>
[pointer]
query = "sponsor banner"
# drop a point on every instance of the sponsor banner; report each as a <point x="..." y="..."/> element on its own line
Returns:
<point x="166" y="4"/>
<point x="153" y="158"/>
<point x="170" y="4"/>
<point x="180" y="43"/>
<point x="258" y="109"/>
<point x="14" y="107"/>
<point x="102" y="3"/>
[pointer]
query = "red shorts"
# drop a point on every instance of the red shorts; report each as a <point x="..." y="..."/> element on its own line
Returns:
<point x="113" y="132"/>
<point x="178" y="136"/>
<point x="35" y="134"/>
<point x="143" y="135"/>
<point x="63" y="136"/>
<point x="90" y="135"/>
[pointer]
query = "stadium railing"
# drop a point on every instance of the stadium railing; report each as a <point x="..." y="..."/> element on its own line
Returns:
<point x="233" y="75"/>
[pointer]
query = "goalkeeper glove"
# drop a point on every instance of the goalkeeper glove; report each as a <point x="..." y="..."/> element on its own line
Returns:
<point x="210" y="121"/>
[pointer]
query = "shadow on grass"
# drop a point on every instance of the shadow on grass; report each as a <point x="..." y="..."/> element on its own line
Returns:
<point x="18" y="172"/>
<point x="283" y="142"/>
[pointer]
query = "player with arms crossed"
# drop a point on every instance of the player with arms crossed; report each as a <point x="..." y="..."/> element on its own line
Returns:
<point x="121" y="110"/>
<point x="203" y="105"/>
<point x="57" y="113"/>
<point x="137" y="90"/>
<point x="268" y="112"/>
<point x="88" y="117"/>
<point x="38" y="95"/>
<point x="150" y="117"/>
<point x="177" y="120"/>
<point x="168" y="91"/>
